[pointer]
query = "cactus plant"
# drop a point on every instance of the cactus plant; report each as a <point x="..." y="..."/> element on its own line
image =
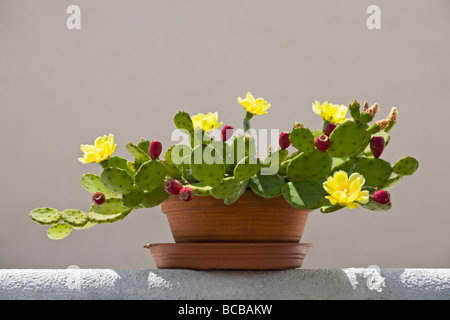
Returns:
<point x="336" y="166"/>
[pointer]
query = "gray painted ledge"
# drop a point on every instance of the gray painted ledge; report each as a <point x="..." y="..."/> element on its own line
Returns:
<point x="349" y="283"/>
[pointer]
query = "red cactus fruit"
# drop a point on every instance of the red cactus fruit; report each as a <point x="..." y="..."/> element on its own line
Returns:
<point x="382" y="197"/>
<point x="329" y="129"/>
<point x="173" y="186"/>
<point x="283" y="140"/>
<point x="377" y="146"/>
<point x="155" y="149"/>
<point x="186" y="194"/>
<point x="227" y="132"/>
<point x="98" y="198"/>
<point x="322" y="143"/>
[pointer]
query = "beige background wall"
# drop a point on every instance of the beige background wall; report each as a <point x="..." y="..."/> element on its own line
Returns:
<point x="133" y="64"/>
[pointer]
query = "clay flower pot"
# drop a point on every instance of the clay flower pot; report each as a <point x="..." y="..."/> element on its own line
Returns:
<point x="251" y="219"/>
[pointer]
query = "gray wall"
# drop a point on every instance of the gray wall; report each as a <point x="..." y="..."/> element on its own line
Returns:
<point x="133" y="64"/>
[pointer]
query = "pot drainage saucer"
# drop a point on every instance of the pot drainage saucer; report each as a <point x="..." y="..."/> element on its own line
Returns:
<point x="250" y="256"/>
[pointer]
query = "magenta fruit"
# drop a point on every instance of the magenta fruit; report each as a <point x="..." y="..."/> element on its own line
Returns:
<point x="377" y="146"/>
<point x="322" y="143"/>
<point x="227" y="132"/>
<point x="98" y="198"/>
<point x="382" y="197"/>
<point x="186" y="194"/>
<point x="173" y="186"/>
<point x="155" y="149"/>
<point x="283" y="140"/>
<point x="329" y="129"/>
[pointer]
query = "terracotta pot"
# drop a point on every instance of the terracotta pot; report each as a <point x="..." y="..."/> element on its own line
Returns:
<point x="250" y="219"/>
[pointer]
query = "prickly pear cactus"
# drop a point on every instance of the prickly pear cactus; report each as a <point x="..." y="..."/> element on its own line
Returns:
<point x="406" y="166"/>
<point x="74" y="217"/>
<point x="109" y="207"/>
<point x="227" y="189"/>
<point x="117" y="180"/>
<point x="375" y="171"/>
<point x="347" y="139"/>
<point x="183" y="121"/>
<point x="133" y="198"/>
<point x="45" y="215"/>
<point x="305" y="195"/>
<point x="210" y="174"/>
<point x="336" y="166"/>
<point x="267" y="186"/>
<point x="59" y="231"/>
<point x="150" y="175"/>
<point x="302" y="139"/>
<point x="309" y="166"/>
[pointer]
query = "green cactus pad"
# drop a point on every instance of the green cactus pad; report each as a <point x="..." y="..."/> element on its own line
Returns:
<point x="88" y="225"/>
<point x="342" y="164"/>
<point x="131" y="165"/>
<point x="102" y="218"/>
<point x="243" y="145"/>
<point x="133" y="198"/>
<point x="347" y="139"/>
<point x="183" y="121"/>
<point x="283" y="167"/>
<point x="227" y="189"/>
<point x="376" y="171"/>
<point x="361" y="149"/>
<point x="200" y="189"/>
<point x="59" y="231"/>
<point x="155" y="197"/>
<point x="302" y="139"/>
<point x="389" y="184"/>
<point x="246" y="168"/>
<point x="406" y="166"/>
<point x="373" y="206"/>
<point x="45" y="216"/>
<point x="116" y="180"/>
<point x="150" y="175"/>
<point x="331" y="208"/>
<point x="121" y="163"/>
<point x="111" y="206"/>
<point x="178" y="154"/>
<point x="275" y="158"/>
<point x="210" y="174"/>
<point x="305" y="195"/>
<point x="138" y="154"/>
<point x="74" y="217"/>
<point x="92" y="184"/>
<point x="267" y="186"/>
<point x="242" y="188"/>
<point x="144" y="145"/>
<point x="309" y="166"/>
<point x="172" y="171"/>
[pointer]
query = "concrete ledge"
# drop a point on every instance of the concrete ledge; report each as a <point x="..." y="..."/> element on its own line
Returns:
<point x="351" y="283"/>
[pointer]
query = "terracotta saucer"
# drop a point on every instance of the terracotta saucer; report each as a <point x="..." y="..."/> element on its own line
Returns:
<point x="228" y="255"/>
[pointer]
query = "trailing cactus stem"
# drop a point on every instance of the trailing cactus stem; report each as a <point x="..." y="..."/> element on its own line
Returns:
<point x="200" y="189"/>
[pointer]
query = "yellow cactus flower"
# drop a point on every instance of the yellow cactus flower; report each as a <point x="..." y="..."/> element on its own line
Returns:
<point x="333" y="113"/>
<point x="102" y="149"/>
<point x="258" y="106"/>
<point x="346" y="191"/>
<point x="207" y="122"/>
